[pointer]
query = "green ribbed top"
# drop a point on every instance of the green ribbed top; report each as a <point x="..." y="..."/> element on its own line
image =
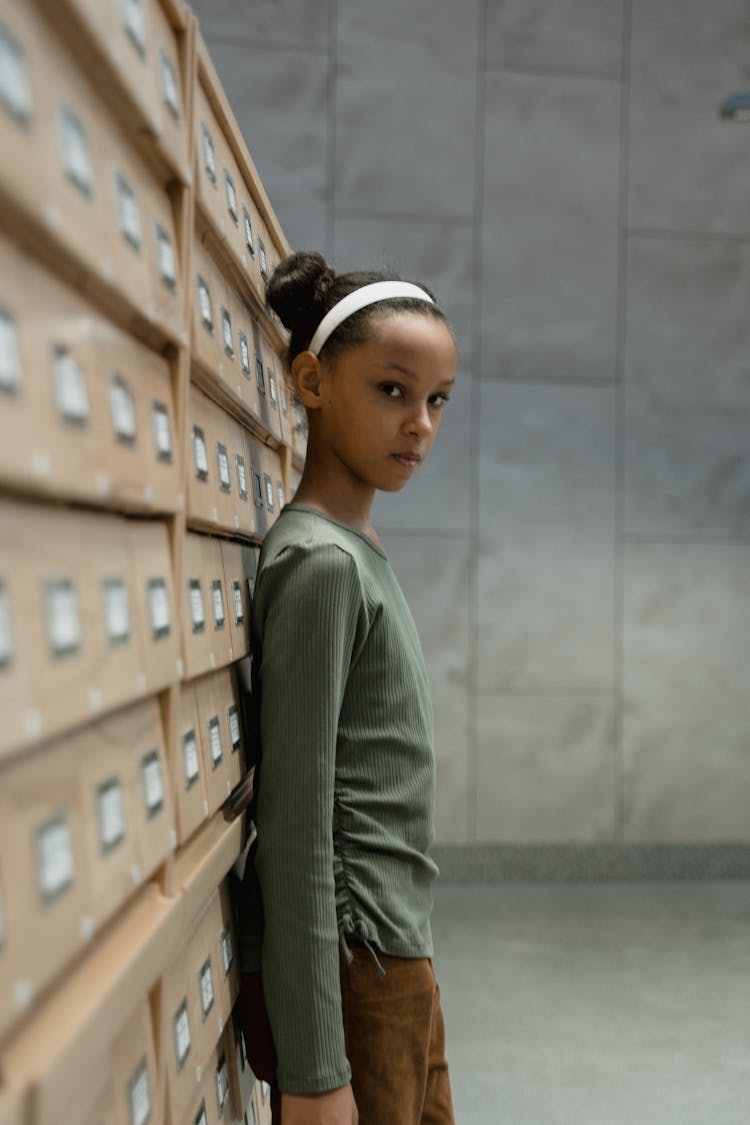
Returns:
<point x="345" y="784"/>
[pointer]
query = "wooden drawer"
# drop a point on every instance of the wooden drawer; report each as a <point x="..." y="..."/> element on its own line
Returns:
<point x="45" y="886"/>
<point x="188" y="773"/>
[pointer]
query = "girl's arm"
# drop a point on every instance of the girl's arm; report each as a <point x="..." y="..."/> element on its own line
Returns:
<point x="310" y="616"/>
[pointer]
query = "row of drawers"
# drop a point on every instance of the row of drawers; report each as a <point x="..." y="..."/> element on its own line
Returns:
<point x="89" y="618"/>
<point x="89" y="411"/>
<point x="142" y="1027"/>
<point x="226" y="1091"/>
<point x="133" y="43"/>
<point x="226" y="209"/>
<point x="229" y="345"/>
<point x="71" y="167"/>
<point x="90" y="816"/>
<point x="235" y="482"/>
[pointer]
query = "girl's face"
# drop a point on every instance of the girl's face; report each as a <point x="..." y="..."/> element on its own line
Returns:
<point x="382" y="402"/>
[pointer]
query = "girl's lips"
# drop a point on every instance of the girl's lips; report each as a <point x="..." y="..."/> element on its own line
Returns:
<point x="409" y="459"/>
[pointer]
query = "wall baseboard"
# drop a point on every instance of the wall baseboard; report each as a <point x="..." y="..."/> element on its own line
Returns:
<point x="560" y="863"/>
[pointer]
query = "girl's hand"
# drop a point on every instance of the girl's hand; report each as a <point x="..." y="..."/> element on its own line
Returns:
<point x="336" y="1107"/>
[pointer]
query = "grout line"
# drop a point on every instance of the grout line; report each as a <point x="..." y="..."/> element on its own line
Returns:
<point x="687" y="537"/>
<point x="549" y="380"/>
<point x="226" y="38"/>
<point x="618" y="607"/>
<point x="541" y="691"/>
<point x="553" y="72"/>
<point x="688" y="235"/>
<point x="472" y="733"/>
<point x="331" y="130"/>
<point x="453" y="532"/>
<point x="402" y="216"/>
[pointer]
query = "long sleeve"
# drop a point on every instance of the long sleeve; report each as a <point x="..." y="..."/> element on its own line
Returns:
<point x="309" y="617"/>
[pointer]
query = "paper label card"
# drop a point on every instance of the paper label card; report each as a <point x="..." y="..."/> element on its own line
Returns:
<point x="162" y="431"/>
<point x="158" y="605"/>
<point x="233" y="718"/>
<point x="169" y="87"/>
<point x="127" y="210"/>
<point x="283" y="399"/>
<point x="218" y="603"/>
<point x="227" y="953"/>
<point x="244" y="353"/>
<point x="116" y="610"/>
<point x="272" y="385"/>
<point x="226" y="331"/>
<point x="15" y="90"/>
<point x="222" y="460"/>
<point x="241" y="476"/>
<point x="197" y="614"/>
<point x="206" y="987"/>
<point x="201" y="1118"/>
<point x="280" y="494"/>
<point x="262" y="260"/>
<point x="209" y="155"/>
<point x="200" y="453"/>
<point x="231" y="196"/>
<point x="239" y="609"/>
<point x="248" y="232"/>
<point x="71" y="392"/>
<point x="135" y="24"/>
<point x="181" y="1025"/>
<point x="257" y="487"/>
<point x="269" y="492"/>
<point x="260" y="377"/>
<point x="165" y="255"/>
<point x="110" y="807"/>
<point x="75" y="151"/>
<point x="190" y="759"/>
<point x="122" y="409"/>
<point x="214" y="741"/>
<point x="222" y="1085"/>
<point x="153" y="783"/>
<point x="10" y="354"/>
<point x="63" y="617"/>
<point x="6" y="632"/>
<point x="139" y="1096"/>
<point x="204" y="304"/>
<point x="54" y="857"/>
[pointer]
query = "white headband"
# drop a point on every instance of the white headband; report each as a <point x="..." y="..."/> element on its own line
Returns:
<point x="359" y="299"/>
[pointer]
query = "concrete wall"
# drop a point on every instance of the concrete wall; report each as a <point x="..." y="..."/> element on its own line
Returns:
<point x="577" y="549"/>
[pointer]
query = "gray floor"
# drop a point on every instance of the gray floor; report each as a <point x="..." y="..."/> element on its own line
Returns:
<point x="619" y="1003"/>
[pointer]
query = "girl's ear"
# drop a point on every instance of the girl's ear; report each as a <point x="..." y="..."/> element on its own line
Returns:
<point x="306" y="375"/>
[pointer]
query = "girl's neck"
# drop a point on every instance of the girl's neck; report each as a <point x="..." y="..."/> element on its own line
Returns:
<point x="325" y="488"/>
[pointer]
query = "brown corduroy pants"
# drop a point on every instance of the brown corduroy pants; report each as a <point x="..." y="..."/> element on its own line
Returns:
<point x="395" y="1040"/>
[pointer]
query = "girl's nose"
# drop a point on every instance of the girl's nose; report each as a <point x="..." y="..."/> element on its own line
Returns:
<point x="419" y="420"/>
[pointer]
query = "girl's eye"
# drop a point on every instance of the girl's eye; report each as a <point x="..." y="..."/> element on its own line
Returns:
<point x="388" y="388"/>
<point x="441" y="399"/>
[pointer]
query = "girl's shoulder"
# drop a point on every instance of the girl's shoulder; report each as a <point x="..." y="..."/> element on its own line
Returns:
<point x="309" y="534"/>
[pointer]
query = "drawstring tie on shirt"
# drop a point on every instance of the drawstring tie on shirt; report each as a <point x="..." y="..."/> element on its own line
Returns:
<point x="364" y="934"/>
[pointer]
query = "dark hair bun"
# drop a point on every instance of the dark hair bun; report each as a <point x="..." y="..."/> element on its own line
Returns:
<point x="298" y="287"/>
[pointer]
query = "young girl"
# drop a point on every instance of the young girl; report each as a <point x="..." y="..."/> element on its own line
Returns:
<point x="344" y="1021"/>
